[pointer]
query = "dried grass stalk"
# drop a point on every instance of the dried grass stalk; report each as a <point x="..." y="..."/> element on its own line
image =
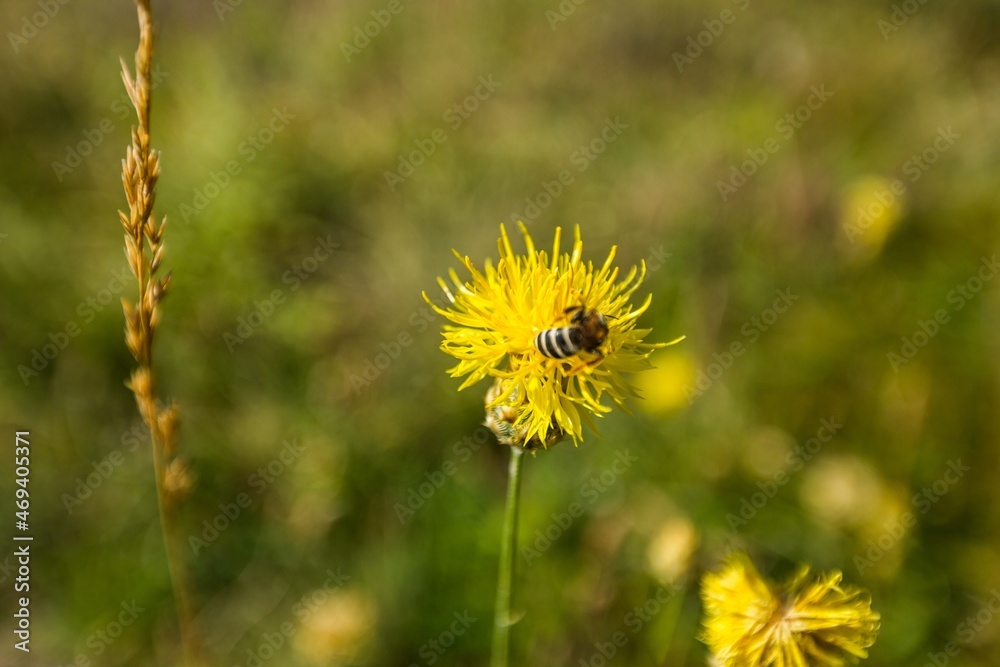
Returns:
<point x="144" y="249"/>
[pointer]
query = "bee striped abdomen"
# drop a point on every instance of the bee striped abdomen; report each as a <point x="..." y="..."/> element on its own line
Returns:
<point x="558" y="343"/>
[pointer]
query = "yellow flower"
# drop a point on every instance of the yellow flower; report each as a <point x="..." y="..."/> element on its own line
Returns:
<point x="499" y="311"/>
<point x="872" y="210"/>
<point x="812" y="620"/>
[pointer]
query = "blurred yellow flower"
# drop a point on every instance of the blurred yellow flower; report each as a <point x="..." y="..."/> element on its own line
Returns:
<point x="872" y="208"/>
<point x="666" y="387"/>
<point x="499" y="311"/>
<point x="669" y="552"/>
<point x="338" y="629"/>
<point x="810" y="621"/>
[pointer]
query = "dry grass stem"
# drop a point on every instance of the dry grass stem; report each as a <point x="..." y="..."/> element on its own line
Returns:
<point x="144" y="249"/>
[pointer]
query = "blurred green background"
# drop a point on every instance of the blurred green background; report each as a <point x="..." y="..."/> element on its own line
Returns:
<point x="872" y="207"/>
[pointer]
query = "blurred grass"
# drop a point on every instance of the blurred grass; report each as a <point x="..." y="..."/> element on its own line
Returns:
<point x="324" y="176"/>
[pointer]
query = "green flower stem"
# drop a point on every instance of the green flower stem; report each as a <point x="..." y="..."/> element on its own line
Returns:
<point x="508" y="549"/>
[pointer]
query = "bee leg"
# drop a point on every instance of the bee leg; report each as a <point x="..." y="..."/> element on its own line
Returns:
<point x="586" y="364"/>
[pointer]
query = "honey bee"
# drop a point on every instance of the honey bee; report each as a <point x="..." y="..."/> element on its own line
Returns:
<point x="587" y="330"/>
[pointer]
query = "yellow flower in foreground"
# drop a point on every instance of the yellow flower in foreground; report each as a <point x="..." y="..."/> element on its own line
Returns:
<point x="812" y="620"/>
<point x="500" y="310"/>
